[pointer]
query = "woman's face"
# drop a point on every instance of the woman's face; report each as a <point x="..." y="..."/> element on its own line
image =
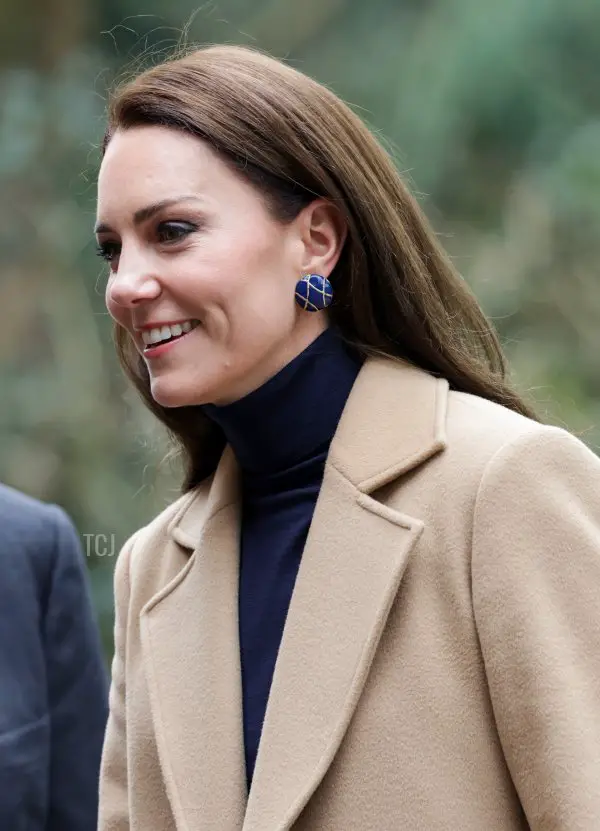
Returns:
<point x="201" y="276"/>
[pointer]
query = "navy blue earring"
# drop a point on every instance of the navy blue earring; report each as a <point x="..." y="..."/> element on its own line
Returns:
<point x="313" y="292"/>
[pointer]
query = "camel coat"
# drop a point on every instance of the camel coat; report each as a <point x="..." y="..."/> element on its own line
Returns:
<point x="440" y="664"/>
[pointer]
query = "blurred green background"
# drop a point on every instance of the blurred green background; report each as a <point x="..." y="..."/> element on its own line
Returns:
<point x="491" y="110"/>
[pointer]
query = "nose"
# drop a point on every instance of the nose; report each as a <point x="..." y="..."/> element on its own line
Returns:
<point x="130" y="286"/>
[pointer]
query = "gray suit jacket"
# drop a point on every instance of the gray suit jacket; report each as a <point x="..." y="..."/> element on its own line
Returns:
<point x="53" y="680"/>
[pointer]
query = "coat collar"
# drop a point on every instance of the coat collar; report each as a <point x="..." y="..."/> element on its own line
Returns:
<point x="352" y="565"/>
<point x="394" y="420"/>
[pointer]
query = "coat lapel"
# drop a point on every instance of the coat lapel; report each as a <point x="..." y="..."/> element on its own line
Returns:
<point x="352" y="566"/>
<point x="350" y="571"/>
<point x="191" y="656"/>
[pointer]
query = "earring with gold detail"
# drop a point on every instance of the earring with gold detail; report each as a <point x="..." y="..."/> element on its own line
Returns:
<point x="313" y="292"/>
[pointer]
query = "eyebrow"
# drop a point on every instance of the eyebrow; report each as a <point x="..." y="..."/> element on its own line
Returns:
<point x="144" y="214"/>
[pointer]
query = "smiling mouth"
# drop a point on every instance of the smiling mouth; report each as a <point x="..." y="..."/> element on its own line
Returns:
<point x="167" y="334"/>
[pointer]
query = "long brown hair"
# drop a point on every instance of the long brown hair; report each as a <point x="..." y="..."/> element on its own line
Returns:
<point x="396" y="292"/>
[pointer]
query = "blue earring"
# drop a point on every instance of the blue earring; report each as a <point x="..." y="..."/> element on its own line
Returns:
<point x="313" y="292"/>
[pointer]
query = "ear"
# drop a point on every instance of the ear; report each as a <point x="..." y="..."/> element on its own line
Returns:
<point x="323" y="231"/>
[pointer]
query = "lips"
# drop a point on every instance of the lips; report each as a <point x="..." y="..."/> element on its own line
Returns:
<point x="167" y="332"/>
<point x="158" y="349"/>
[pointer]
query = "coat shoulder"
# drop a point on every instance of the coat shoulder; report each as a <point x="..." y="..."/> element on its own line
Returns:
<point x="480" y="427"/>
<point x="23" y="512"/>
<point x="33" y="532"/>
<point x="481" y="435"/>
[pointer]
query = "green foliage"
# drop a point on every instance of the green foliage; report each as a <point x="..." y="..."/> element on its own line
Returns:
<point x="492" y="110"/>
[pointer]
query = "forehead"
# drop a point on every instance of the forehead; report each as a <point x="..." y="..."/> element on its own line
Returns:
<point x="150" y="163"/>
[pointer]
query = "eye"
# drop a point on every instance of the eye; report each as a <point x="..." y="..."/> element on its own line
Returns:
<point x="108" y="251"/>
<point x="175" y="231"/>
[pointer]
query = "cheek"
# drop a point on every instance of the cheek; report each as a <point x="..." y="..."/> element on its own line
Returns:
<point x="240" y="281"/>
<point x="117" y="312"/>
<point x="260" y="302"/>
<point x="110" y="305"/>
<point x="260" y="273"/>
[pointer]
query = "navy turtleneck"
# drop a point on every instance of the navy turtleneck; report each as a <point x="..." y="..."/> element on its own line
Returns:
<point x="280" y="434"/>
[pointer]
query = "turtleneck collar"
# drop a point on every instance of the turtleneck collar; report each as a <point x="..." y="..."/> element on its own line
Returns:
<point x="293" y="416"/>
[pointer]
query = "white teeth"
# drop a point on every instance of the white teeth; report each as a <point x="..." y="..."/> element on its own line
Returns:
<point x="154" y="336"/>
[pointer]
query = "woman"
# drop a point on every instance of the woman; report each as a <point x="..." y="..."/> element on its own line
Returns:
<point x="427" y="656"/>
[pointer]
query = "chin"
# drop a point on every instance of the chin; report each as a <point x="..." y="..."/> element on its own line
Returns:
<point x="170" y="395"/>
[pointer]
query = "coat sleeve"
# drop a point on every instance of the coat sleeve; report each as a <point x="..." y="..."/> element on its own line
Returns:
<point x="77" y="685"/>
<point x="536" y="595"/>
<point x="114" y="794"/>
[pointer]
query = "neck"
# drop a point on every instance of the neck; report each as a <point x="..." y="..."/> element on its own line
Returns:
<point x="294" y="415"/>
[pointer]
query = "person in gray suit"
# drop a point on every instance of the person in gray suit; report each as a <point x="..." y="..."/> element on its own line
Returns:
<point x="53" y="678"/>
